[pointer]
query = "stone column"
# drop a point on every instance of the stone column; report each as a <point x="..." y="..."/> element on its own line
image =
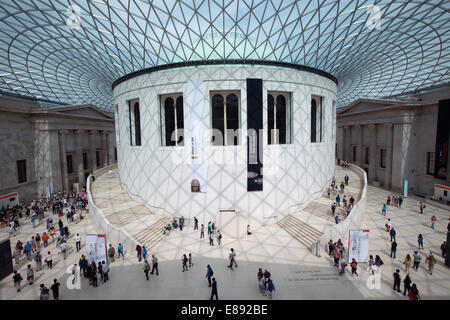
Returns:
<point x="400" y="155"/>
<point x="62" y="155"/>
<point x="388" y="169"/>
<point x="78" y="135"/>
<point x="92" y="149"/>
<point x="104" y="147"/>
<point x="372" y="152"/>
<point x="111" y="145"/>
<point x="347" y="143"/>
<point x="359" y="146"/>
<point x="340" y="143"/>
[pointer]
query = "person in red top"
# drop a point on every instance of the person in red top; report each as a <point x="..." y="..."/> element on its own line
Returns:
<point x="414" y="293"/>
<point x="433" y="220"/>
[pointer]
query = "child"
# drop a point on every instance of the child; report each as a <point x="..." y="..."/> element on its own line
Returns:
<point x="270" y="288"/>
<point x="190" y="260"/>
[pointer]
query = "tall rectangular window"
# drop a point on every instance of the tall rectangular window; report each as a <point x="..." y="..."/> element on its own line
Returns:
<point x="85" y="161"/>
<point x="367" y="155"/>
<point x="115" y="153"/>
<point x="354" y="153"/>
<point x="116" y="122"/>
<point x="430" y="163"/>
<point x="279" y="117"/>
<point x="316" y="119"/>
<point x="225" y="122"/>
<point x="172" y="120"/>
<point x="21" y="171"/>
<point x="97" y="158"/>
<point x="383" y="158"/>
<point x="69" y="163"/>
<point x="134" y="115"/>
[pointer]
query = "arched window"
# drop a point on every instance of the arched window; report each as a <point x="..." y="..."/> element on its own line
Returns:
<point x="180" y="121"/>
<point x="218" y="120"/>
<point x="278" y="118"/>
<point x="169" y="121"/>
<point x="313" y="120"/>
<point x="232" y="111"/>
<point x="137" y="124"/>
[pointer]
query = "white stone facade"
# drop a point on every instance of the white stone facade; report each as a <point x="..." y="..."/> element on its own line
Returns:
<point x="43" y="135"/>
<point x="161" y="176"/>
<point x="404" y="128"/>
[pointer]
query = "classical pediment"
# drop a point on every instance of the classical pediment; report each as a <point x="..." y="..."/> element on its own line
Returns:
<point x="365" y="105"/>
<point x="89" y="111"/>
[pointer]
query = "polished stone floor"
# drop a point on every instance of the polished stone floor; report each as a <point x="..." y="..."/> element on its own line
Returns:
<point x="296" y="273"/>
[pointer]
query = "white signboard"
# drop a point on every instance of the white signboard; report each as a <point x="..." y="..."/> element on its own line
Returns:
<point x="358" y="245"/>
<point x="10" y="200"/>
<point x="195" y="101"/>
<point x="405" y="188"/>
<point x="96" y="248"/>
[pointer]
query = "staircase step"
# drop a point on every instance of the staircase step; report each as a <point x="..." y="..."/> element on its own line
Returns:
<point x="303" y="233"/>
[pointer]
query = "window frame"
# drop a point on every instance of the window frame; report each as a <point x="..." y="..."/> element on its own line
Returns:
<point x="383" y="155"/>
<point x="132" y="121"/>
<point x="225" y="94"/>
<point x="162" y="119"/>
<point x="69" y="164"/>
<point x="287" y="95"/>
<point x="319" y="115"/>
<point x="431" y="159"/>
<point x="21" y="169"/>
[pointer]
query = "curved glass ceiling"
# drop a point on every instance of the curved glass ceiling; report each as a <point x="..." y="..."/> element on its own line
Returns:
<point x="72" y="51"/>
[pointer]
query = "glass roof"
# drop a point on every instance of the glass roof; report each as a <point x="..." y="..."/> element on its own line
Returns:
<point x="72" y="51"/>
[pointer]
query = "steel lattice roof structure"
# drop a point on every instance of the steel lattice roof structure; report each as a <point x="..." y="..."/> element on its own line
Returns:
<point x="72" y="51"/>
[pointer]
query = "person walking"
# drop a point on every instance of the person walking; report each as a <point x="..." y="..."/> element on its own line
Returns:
<point x="266" y="278"/>
<point x="219" y="237"/>
<point x="202" y="232"/>
<point x="338" y="200"/>
<point x="371" y="263"/>
<point x="100" y="270"/>
<point x="383" y="211"/>
<point x="397" y="280"/>
<point x="17" y="279"/>
<point x="388" y="225"/>
<point x="45" y="293"/>
<point x="416" y="259"/>
<point x="49" y="260"/>
<point x="444" y="249"/>
<point x="111" y="253"/>
<point x="195" y="223"/>
<point x="431" y="261"/>
<point x="421" y="207"/>
<point x="105" y="271"/>
<point x="333" y="209"/>
<point x="64" y="249"/>
<point x="414" y="293"/>
<point x="209" y="274"/>
<point x="406" y="284"/>
<point x="83" y="263"/>
<point x="30" y="275"/>
<point x="154" y="264"/>
<point x="343" y="265"/>
<point x="190" y="260"/>
<point x="433" y="221"/>
<point x="354" y="266"/>
<point x="214" y="289"/>
<point x="38" y="261"/>
<point x="45" y="239"/>
<point x="330" y="248"/>
<point x="184" y="260"/>
<point x="392" y="233"/>
<point x="55" y="289"/>
<point x="262" y="286"/>
<point x="232" y="257"/>
<point x="336" y="256"/>
<point x="78" y="242"/>
<point x="407" y="263"/>
<point x="394" y="249"/>
<point x="146" y="268"/>
<point x="209" y="228"/>
<point x="120" y="251"/>
<point x="420" y="241"/>
<point x="270" y="288"/>
<point x="144" y="252"/>
<point x="211" y="239"/>
<point x="139" y="252"/>
<point x="181" y="223"/>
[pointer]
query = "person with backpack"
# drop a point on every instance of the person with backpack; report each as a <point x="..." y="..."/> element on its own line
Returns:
<point x="146" y="268"/>
<point x="209" y="274"/>
<point x="30" y="275"/>
<point x="420" y="240"/>
<point x="120" y="251"/>
<point x="397" y="280"/>
<point x="55" y="289"/>
<point x="111" y="253"/>
<point x="417" y="260"/>
<point x="270" y="288"/>
<point x="392" y="233"/>
<point x="354" y="266"/>
<point x="394" y="249"/>
<point x="38" y="261"/>
<point x="17" y="278"/>
<point x="343" y="265"/>
<point x="184" y="260"/>
<point x="219" y="237"/>
<point x="431" y="261"/>
<point x="139" y="252"/>
<point x="383" y="211"/>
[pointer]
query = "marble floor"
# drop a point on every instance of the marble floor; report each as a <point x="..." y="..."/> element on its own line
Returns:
<point x="296" y="273"/>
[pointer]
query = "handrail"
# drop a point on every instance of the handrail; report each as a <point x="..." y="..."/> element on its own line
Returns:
<point x="353" y="220"/>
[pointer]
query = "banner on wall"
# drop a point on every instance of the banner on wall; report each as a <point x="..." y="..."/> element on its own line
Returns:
<point x="358" y="245"/>
<point x="96" y="248"/>
<point x="195" y="105"/>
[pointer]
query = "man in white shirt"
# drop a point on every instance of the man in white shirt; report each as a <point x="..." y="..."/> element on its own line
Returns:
<point x="105" y="271"/>
<point x="64" y="249"/>
<point x="78" y="242"/>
